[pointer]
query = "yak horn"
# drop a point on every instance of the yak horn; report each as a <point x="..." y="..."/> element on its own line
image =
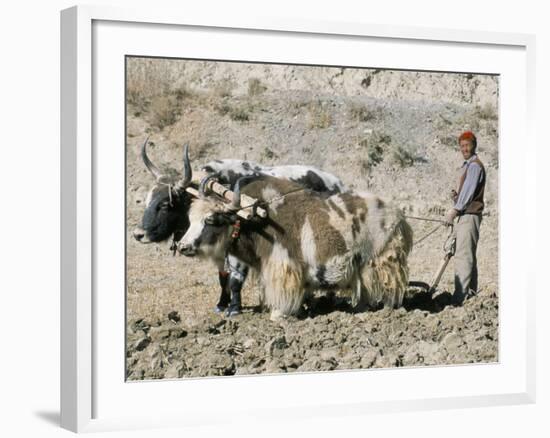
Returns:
<point x="236" y="202"/>
<point x="148" y="163"/>
<point x="187" y="171"/>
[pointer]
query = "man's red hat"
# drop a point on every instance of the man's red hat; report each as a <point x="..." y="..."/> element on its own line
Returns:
<point x="468" y="135"/>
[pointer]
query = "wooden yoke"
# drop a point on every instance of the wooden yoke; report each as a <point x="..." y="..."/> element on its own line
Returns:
<point x="249" y="209"/>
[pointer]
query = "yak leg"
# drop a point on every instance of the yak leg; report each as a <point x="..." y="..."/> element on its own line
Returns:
<point x="225" y="296"/>
<point x="357" y="293"/>
<point x="284" y="291"/>
<point x="357" y="287"/>
<point x="385" y="282"/>
<point x="237" y="277"/>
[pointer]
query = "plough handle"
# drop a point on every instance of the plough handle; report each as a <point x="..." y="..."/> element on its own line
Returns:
<point x="439" y="273"/>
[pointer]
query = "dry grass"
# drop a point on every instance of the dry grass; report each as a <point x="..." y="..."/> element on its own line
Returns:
<point x="164" y="111"/>
<point x="361" y="113"/>
<point x="448" y="140"/>
<point x="255" y="87"/>
<point x="223" y="89"/>
<point x="239" y="113"/>
<point x="376" y="146"/>
<point x="403" y="156"/>
<point x="486" y="112"/>
<point x="319" y="115"/>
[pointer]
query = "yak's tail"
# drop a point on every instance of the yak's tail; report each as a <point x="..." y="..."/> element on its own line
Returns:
<point x="385" y="277"/>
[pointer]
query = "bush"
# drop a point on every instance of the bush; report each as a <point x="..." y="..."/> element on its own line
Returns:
<point x="361" y="113"/>
<point x="240" y="113"/>
<point x="319" y="116"/>
<point x="375" y="146"/>
<point x="407" y="155"/>
<point x="164" y="111"/>
<point x="255" y="87"/>
<point x="486" y="112"/>
<point x="403" y="156"/>
<point x="448" y="140"/>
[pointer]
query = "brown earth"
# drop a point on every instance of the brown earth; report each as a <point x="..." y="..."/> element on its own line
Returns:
<point x="389" y="132"/>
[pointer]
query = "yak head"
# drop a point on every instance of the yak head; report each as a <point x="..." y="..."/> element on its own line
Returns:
<point x="167" y="203"/>
<point x="212" y="225"/>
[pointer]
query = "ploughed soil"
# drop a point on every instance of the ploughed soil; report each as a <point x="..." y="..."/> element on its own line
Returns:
<point x="328" y="337"/>
<point x="392" y="133"/>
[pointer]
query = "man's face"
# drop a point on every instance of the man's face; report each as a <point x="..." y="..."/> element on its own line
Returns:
<point x="467" y="148"/>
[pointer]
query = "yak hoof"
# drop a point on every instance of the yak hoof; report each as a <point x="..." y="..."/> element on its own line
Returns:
<point x="276" y="315"/>
<point x="232" y="312"/>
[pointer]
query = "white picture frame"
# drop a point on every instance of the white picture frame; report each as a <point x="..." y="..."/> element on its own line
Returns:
<point x="87" y="358"/>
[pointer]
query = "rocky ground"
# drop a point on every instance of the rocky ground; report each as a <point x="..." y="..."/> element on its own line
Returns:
<point x="330" y="338"/>
<point x="389" y="132"/>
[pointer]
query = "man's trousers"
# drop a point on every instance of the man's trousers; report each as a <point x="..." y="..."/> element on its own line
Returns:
<point x="467" y="236"/>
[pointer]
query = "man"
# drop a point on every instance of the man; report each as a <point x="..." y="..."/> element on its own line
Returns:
<point x="467" y="208"/>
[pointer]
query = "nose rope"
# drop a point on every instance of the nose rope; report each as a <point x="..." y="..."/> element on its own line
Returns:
<point x="170" y="194"/>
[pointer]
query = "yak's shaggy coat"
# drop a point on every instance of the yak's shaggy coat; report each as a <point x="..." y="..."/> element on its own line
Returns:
<point x="310" y="241"/>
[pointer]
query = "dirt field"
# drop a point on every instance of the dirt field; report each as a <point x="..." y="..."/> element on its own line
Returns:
<point x="392" y="133"/>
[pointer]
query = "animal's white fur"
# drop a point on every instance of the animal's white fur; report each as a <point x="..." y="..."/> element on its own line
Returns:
<point x="309" y="249"/>
<point x="288" y="172"/>
<point x="273" y="196"/>
<point x="283" y="278"/>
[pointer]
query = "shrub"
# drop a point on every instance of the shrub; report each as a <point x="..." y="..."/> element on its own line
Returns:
<point x="375" y="145"/>
<point x="164" y="111"/>
<point x="361" y="113"/>
<point x="486" y="112"/>
<point x="403" y="156"/>
<point x="223" y="88"/>
<point x="407" y="155"/>
<point x="319" y="116"/>
<point x="239" y="114"/>
<point x="255" y="87"/>
<point x="448" y="140"/>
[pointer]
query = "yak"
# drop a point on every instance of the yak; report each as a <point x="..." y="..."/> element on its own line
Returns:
<point x="307" y="242"/>
<point x="167" y="209"/>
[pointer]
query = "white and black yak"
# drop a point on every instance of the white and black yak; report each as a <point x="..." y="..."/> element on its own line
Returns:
<point x="167" y="209"/>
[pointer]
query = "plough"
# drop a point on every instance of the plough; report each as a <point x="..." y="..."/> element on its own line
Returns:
<point x="449" y="248"/>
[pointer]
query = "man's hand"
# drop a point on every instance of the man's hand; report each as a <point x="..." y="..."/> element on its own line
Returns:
<point x="450" y="217"/>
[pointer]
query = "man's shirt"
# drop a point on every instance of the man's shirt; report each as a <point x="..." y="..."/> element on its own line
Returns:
<point x="474" y="177"/>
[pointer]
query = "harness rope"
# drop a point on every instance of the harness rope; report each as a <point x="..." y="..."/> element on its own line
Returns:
<point x="428" y="235"/>
<point x="272" y="200"/>
<point x="441" y="221"/>
<point x="425" y="219"/>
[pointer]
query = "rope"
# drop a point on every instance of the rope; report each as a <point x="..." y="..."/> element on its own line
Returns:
<point x="428" y="235"/>
<point x="272" y="200"/>
<point x="425" y="219"/>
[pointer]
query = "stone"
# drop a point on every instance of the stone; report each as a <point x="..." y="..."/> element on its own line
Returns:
<point x="275" y="346"/>
<point x="452" y="342"/>
<point x="173" y="372"/>
<point x="249" y="343"/>
<point x="329" y="353"/>
<point x="142" y="344"/>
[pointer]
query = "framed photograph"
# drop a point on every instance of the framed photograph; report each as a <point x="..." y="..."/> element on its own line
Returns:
<point x="316" y="218"/>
